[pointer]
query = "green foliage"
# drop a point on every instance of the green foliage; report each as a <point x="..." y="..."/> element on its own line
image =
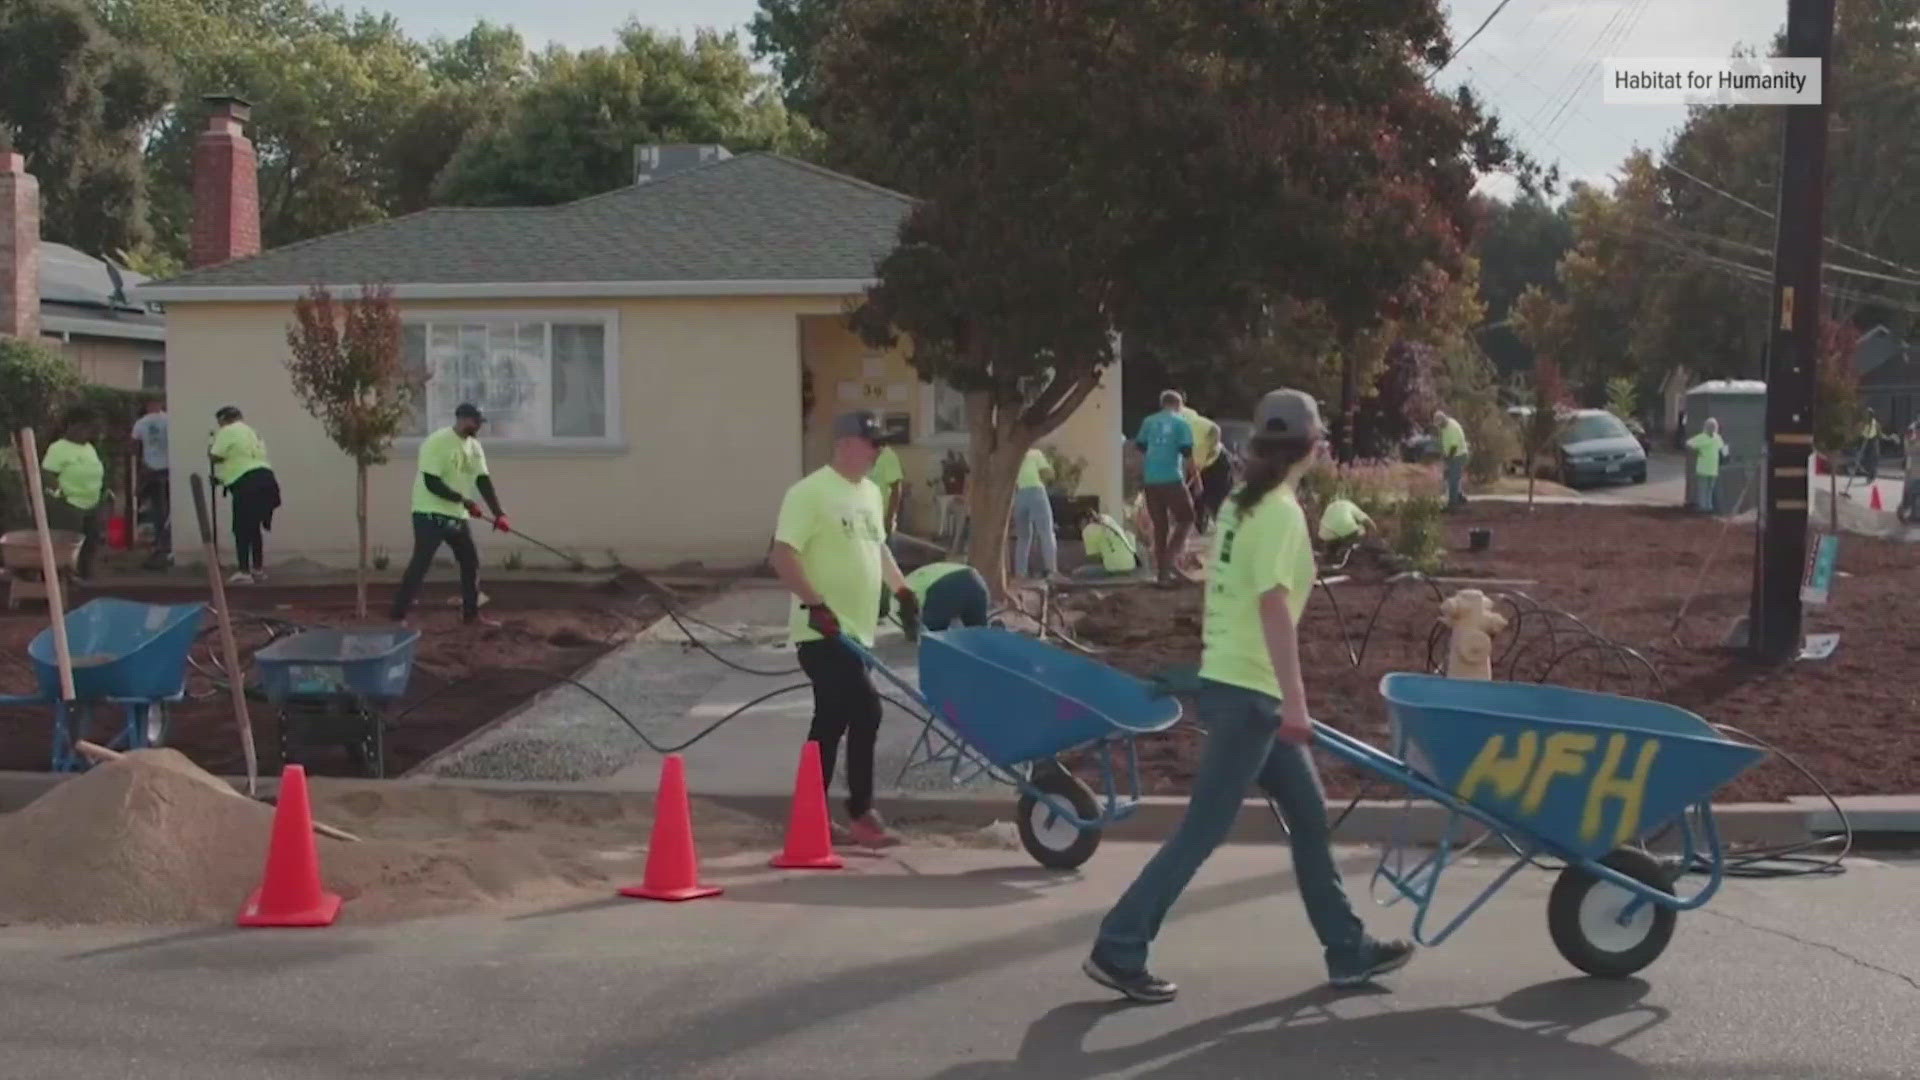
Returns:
<point x="35" y="384"/>
<point x="1420" y="531"/>
<point x="790" y="32"/>
<point x="1469" y="391"/>
<point x="1623" y="397"/>
<point x="1519" y="245"/>
<point x="1068" y="469"/>
<point x="79" y="101"/>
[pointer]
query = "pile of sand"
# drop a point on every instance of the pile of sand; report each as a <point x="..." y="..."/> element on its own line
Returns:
<point x="154" y="840"/>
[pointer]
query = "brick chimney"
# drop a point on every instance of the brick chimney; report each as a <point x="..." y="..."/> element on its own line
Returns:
<point x="19" y="247"/>
<point x="226" y="186"/>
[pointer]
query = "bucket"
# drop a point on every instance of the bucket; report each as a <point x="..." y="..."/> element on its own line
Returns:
<point x="117" y="532"/>
<point x="1479" y="539"/>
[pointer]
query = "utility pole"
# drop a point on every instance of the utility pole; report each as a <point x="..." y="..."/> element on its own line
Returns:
<point x="1781" y="555"/>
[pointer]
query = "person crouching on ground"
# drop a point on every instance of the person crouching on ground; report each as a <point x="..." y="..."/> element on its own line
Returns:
<point x="829" y="550"/>
<point x="73" y="477"/>
<point x="240" y="465"/>
<point x="1342" y="526"/>
<point x="453" y="468"/>
<point x="1110" y="551"/>
<point x="1253" y="706"/>
<point x="948" y="593"/>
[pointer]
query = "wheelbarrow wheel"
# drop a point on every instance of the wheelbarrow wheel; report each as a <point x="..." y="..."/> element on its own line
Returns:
<point x="1583" y="915"/>
<point x="1055" y="842"/>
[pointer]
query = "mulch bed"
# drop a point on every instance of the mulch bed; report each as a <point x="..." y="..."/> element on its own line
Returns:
<point x="464" y="676"/>
<point x="1624" y="572"/>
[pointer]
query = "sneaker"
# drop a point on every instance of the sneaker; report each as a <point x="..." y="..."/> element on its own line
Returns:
<point x="1382" y="958"/>
<point x="240" y="577"/>
<point x="1143" y="987"/>
<point x="869" y="831"/>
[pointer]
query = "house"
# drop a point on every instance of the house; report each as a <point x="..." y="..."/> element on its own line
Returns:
<point x="657" y="363"/>
<point x="72" y="301"/>
<point x="1889" y="373"/>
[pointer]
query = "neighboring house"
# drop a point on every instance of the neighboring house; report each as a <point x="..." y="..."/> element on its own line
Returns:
<point x="1889" y="372"/>
<point x="640" y="354"/>
<point x="74" y="302"/>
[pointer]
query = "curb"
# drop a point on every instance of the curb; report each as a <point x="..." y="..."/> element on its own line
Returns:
<point x="1370" y="821"/>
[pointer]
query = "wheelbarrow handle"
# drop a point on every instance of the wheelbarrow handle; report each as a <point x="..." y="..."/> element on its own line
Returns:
<point x="866" y="657"/>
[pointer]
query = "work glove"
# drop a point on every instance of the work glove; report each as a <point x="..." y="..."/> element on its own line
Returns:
<point x="909" y="613"/>
<point x="823" y="621"/>
<point x="474" y="509"/>
<point x="501" y="524"/>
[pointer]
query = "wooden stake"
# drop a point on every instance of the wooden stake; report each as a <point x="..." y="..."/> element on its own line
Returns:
<point x="236" y="677"/>
<point x="49" y="569"/>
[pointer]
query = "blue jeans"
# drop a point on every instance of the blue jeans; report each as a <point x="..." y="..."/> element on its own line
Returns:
<point x="1456" y="470"/>
<point x="1033" y="519"/>
<point x="1705" y="490"/>
<point x="1241" y="750"/>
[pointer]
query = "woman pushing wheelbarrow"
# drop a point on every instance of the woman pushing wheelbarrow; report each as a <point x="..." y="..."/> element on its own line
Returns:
<point x="1254" y="707"/>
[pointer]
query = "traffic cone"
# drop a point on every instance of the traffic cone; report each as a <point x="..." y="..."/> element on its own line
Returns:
<point x="809" y="840"/>
<point x="1873" y="502"/>
<point x="290" y="894"/>
<point x="673" y="867"/>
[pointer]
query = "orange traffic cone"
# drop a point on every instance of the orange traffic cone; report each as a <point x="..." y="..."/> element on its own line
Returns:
<point x="809" y="841"/>
<point x="673" y="867"/>
<point x="1873" y="501"/>
<point x="290" y="894"/>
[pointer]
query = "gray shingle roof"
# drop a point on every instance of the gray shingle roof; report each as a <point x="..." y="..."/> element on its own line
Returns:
<point x="758" y="217"/>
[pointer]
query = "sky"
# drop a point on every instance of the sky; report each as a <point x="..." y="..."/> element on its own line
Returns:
<point x="1538" y="63"/>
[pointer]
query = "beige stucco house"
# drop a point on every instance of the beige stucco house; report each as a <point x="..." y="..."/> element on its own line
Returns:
<point x="640" y="355"/>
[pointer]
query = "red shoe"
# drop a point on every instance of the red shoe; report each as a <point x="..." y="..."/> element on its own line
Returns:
<point x="869" y="831"/>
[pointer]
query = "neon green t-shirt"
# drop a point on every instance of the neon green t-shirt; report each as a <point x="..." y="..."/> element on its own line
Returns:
<point x="1342" y="520"/>
<point x="1253" y="554"/>
<point x="1105" y="540"/>
<point x="458" y="462"/>
<point x="1707" y="451"/>
<point x="924" y="578"/>
<point x="1030" y="467"/>
<point x="1453" y="439"/>
<point x="886" y="471"/>
<point x="78" y="468"/>
<point x="240" y="450"/>
<point x="835" y="525"/>
<point x="1206" y="437"/>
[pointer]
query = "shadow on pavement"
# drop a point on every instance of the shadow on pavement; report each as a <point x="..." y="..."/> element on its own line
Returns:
<point x="928" y="891"/>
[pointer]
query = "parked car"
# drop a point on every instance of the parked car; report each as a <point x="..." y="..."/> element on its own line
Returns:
<point x="1597" y="448"/>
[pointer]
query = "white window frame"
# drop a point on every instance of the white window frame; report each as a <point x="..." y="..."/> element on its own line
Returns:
<point x="949" y="440"/>
<point x="614" y="438"/>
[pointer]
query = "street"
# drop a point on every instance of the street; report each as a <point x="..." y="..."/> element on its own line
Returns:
<point x="962" y="965"/>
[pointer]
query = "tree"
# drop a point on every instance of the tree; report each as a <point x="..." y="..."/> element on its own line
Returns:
<point x="35" y="383"/>
<point x="1540" y="431"/>
<point x="790" y="32"/>
<point x="1519" y="244"/>
<point x="1837" y="409"/>
<point x="346" y="367"/>
<point x="1170" y="171"/>
<point x="79" y="101"/>
<point x="1623" y="398"/>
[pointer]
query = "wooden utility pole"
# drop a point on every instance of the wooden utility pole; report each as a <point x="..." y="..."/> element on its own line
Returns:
<point x="1781" y="558"/>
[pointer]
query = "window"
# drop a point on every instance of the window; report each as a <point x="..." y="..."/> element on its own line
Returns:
<point x="947" y="413"/>
<point x="153" y="375"/>
<point x="538" y="380"/>
<point x="1597" y="426"/>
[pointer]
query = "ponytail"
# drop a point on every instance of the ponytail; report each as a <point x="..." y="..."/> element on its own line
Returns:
<point x="1270" y="460"/>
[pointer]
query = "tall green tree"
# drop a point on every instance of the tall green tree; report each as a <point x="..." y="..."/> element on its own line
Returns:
<point x="1519" y="243"/>
<point x="789" y="33"/>
<point x="1173" y="170"/>
<point x="78" y="101"/>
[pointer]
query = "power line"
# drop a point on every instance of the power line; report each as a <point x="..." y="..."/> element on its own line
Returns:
<point x="1477" y="31"/>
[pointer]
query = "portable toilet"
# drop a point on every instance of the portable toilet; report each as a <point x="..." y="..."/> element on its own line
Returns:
<point x="1741" y="407"/>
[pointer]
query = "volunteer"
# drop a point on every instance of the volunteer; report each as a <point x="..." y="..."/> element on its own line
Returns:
<point x="1166" y="440"/>
<point x="1870" y="447"/>
<point x="1708" y="449"/>
<point x="829" y="550"/>
<point x="74" y="478"/>
<point x="1033" y="516"/>
<point x="1342" y="525"/>
<point x="1106" y="541"/>
<point x="150" y="436"/>
<point x="1253" y="706"/>
<point x="1212" y="472"/>
<point x="1910" y="495"/>
<point x="891" y="480"/>
<point x="948" y="592"/>
<point x="1453" y="455"/>
<point x="452" y="471"/>
<point x="240" y="465"/>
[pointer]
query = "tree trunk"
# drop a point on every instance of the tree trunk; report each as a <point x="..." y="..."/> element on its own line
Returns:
<point x="990" y="506"/>
<point x="360" y="516"/>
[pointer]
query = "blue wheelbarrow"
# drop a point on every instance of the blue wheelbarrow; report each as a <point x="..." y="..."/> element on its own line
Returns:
<point x="125" y="655"/>
<point x="1587" y="778"/>
<point x="333" y="688"/>
<point x="1004" y="705"/>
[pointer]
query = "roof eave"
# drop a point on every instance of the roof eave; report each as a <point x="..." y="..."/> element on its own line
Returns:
<point x="103" y="328"/>
<point x="534" y="290"/>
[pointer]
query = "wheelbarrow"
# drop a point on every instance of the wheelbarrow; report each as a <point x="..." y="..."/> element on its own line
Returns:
<point x="1007" y="706"/>
<point x="1583" y="777"/>
<point x="124" y="654"/>
<point x="20" y="555"/>
<point x="334" y="687"/>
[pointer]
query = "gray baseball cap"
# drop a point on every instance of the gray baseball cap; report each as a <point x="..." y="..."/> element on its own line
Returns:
<point x="1286" y="413"/>
<point x="859" y="425"/>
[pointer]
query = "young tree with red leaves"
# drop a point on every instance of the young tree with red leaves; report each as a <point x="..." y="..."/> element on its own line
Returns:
<point x="1543" y="425"/>
<point x="1174" y="171"/>
<point x="347" y="368"/>
<point x="1837" y="412"/>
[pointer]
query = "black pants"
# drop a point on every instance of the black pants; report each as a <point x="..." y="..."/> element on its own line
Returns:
<point x="1216" y="483"/>
<point x="253" y="497"/>
<point x="429" y="532"/>
<point x="158" y="496"/>
<point x="959" y="597"/>
<point x="67" y="517"/>
<point x="844" y="703"/>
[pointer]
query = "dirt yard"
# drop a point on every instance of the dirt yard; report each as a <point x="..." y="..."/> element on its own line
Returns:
<point x="1624" y="572"/>
<point x="463" y="676"/>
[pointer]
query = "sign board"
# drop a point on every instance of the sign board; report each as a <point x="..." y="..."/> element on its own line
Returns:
<point x="1821" y="560"/>
<point x="899" y="427"/>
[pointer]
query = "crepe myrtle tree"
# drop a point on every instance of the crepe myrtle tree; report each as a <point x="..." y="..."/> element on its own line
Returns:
<point x="1093" y="171"/>
<point x="347" y="367"/>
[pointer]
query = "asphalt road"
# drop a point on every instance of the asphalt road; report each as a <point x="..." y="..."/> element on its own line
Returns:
<point x="962" y="965"/>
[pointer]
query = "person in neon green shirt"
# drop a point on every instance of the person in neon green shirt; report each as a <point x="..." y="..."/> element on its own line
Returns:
<point x="891" y="480"/>
<point x="1342" y="525"/>
<point x="1453" y="457"/>
<point x="1212" y="473"/>
<point x="950" y="592"/>
<point x="1709" y="450"/>
<point x="73" y="480"/>
<point x="240" y="465"/>
<point x="452" y="473"/>
<point x="1105" y="540"/>
<point x="1252" y="703"/>
<point x="830" y="551"/>
<point x="1033" y="515"/>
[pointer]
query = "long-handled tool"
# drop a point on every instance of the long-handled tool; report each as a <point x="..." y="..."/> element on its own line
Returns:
<point x="49" y="569"/>
<point x="572" y="561"/>
<point x="230" y="652"/>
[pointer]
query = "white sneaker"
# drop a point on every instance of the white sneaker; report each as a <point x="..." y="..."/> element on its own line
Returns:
<point x="240" y="577"/>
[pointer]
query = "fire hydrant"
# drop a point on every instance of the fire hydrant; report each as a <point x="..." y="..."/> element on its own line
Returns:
<point x="1469" y="614"/>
